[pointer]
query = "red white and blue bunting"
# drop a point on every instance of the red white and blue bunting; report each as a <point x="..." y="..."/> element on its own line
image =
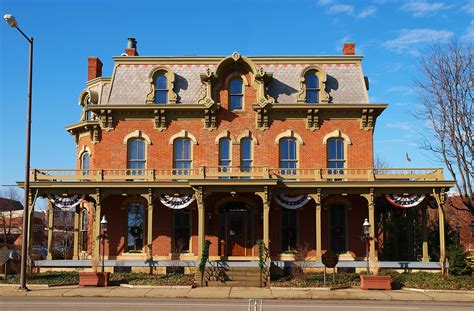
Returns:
<point x="177" y="201"/>
<point x="66" y="202"/>
<point x="405" y="200"/>
<point x="292" y="202"/>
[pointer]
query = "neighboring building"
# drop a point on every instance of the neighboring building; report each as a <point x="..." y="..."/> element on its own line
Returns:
<point x="177" y="150"/>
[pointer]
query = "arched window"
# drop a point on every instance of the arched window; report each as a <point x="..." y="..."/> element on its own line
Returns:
<point x="161" y="88"/>
<point x="88" y="115"/>
<point x="85" y="161"/>
<point x="312" y="87"/>
<point x="236" y="94"/>
<point x="135" y="226"/>
<point x="224" y="152"/>
<point x="288" y="157"/>
<point x="136" y="154"/>
<point x="246" y="155"/>
<point x="336" y="153"/>
<point x="182" y="153"/>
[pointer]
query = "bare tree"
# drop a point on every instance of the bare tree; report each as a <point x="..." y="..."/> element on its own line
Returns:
<point x="380" y="162"/>
<point x="445" y="86"/>
<point x="63" y="235"/>
<point x="7" y="217"/>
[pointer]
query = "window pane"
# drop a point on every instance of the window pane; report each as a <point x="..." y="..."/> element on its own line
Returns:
<point x="246" y="148"/>
<point x="312" y="96"/>
<point x="235" y="102"/>
<point x="161" y="97"/>
<point x="161" y="82"/>
<point x="236" y="86"/>
<point x="339" y="149"/>
<point x="86" y="161"/>
<point x="331" y="149"/>
<point x="224" y="149"/>
<point x="135" y="218"/>
<point x="312" y="80"/>
<point x="292" y="149"/>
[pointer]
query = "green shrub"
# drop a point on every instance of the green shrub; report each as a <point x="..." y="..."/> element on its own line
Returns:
<point x="458" y="263"/>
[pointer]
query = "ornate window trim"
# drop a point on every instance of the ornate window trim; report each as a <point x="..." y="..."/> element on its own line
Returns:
<point x="83" y="150"/>
<point x="183" y="134"/>
<point x="172" y="96"/>
<point x="247" y="134"/>
<point x="226" y="134"/>
<point x="337" y="134"/>
<point x="88" y="97"/>
<point x="137" y="134"/>
<point x="322" y="76"/>
<point x="289" y="134"/>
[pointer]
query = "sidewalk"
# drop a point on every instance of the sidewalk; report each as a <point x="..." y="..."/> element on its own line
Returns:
<point x="238" y="292"/>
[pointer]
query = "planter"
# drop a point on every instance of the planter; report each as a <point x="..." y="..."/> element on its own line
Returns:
<point x="94" y="279"/>
<point x="376" y="282"/>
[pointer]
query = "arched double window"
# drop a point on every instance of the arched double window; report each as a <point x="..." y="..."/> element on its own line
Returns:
<point x="161" y="88"/>
<point x="135" y="226"/>
<point x="182" y="153"/>
<point x="236" y="94"/>
<point x="288" y="156"/>
<point x="335" y="151"/>
<point x="246" y="157"/>
<point x="136" y="154"/>
<point x="312" y="87"/>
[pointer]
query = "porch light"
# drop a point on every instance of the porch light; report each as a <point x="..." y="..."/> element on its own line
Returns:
<point x="366" y="226"/>
<point x="103" y="224"/>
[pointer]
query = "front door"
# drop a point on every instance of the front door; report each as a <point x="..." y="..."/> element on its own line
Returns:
<point x="236" y="234"/>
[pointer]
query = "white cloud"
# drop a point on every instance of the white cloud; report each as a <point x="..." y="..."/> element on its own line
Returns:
<point x="469" y="7"/>
<point x="400" y="89"/>
<point x="422" y="7"/>
<point x="410" y="40"/>
<point x="341" y="8"/>
<point x="405" y="126"/>
<point x="469" y="35"/>
<point x="325" y="2"/>
<point x="367" y="12"/>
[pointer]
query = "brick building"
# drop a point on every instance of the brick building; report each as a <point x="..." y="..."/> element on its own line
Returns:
<point x="174" y="151"/>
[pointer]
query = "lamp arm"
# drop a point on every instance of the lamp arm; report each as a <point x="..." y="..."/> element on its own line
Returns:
<point x="30" y="40"/>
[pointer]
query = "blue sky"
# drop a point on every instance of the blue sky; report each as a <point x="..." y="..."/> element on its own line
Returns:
<point x="389" y="34"/>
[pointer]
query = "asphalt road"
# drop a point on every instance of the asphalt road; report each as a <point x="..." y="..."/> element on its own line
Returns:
<point x="134" y="304"/>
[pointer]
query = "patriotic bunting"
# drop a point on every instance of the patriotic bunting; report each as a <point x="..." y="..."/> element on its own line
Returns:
<point x="405" y="201"/>
<point x="66" y="202"/>
<point x="292" y="202"/>
<point x="176" y="201"/>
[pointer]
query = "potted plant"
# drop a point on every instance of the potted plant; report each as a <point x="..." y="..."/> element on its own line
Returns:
<point x="94" y="278"/>
<point x="375" y="281"/>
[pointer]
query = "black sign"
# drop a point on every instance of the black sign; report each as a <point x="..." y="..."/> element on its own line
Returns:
<point x="330" y="259"/>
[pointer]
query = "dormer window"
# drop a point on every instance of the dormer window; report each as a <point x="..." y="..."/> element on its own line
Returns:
<point x="236" y="94"/>
<point x="161" y="89"/>
<point x="312" y="87"/>
<point x="88" y="115"/>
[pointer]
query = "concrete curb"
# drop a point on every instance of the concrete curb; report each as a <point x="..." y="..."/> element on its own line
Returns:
<point x="438" y="290"/>
<point x="157" y="286"/>
<point x="301" y="288"/>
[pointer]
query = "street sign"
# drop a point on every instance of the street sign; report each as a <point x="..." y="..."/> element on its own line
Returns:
<point x="330" y="259"/>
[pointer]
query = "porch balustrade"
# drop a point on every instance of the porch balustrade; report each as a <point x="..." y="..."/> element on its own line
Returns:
<point x="237" y="172"/>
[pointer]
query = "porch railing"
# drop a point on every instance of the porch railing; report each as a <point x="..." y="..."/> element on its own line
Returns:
<point x="237" y="172"/>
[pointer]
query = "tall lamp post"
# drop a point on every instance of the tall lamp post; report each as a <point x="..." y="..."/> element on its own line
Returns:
<point x="366" y="226"/>
<point x="11" y="21"/>
<point x="103" y="236"/>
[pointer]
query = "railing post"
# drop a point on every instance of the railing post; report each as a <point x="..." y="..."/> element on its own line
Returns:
<point x="266" y="172"/>
<point x="371" y="174"/>
<point x="33" y="174"/>
<point x="202" y="171"/>
<point x="101" y="175"/>
<point x="440" y="174"/>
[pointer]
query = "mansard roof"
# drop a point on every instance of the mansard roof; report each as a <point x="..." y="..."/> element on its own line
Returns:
<point x="130" y="81"/>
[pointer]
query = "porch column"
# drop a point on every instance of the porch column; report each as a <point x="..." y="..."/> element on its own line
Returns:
<point x="371" y="210"/>
<point x="50" y="231"/>
<point x="76" y="234"/>
<point x="439" y="197"/>
<point x="199" y="194"/>
<point x="317" y="201"/>
<point x="424" y="220"/>
<point x="96" y="227"/>
<point x="149" y="228"/>
<point x="266" y="198"/>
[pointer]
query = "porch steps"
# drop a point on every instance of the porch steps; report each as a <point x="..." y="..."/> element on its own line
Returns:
<point x="219" y="275"/>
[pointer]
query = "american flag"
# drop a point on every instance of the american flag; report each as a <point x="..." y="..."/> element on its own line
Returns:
<point x="408" y="157"/>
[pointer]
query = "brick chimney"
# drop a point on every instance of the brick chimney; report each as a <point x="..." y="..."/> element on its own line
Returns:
<point x="349" y="48"/>
<point x="131" y="49"/>
<point x="94" y="68"/>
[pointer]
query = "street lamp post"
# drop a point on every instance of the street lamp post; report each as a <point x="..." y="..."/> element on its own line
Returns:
<point x="103" y="233"/>
<point x="366" y="226"/>
<point x="11" y="21"/>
